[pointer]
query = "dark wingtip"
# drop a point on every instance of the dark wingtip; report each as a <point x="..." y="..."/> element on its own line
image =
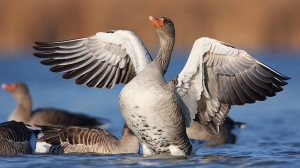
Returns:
<point x="41" y="54"/>
<point x="46" y="62"/>
<point x="283" y="83"/>
<point x="287" y="78"/>
<point x="42" y="43"/>
<point x="37" y="54"/>
<point x="38" y="42"/>
<point x="35" y="47"/>
<point x="67" y="76"/>
<point x="283" y="77"/>
<point x="78" y="81"/>
<point x="57" y="68"/>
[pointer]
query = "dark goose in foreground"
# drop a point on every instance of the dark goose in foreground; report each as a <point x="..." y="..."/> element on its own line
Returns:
<point x="216" y="76"/>
<point x="60" y="140"/>
<point x="16" y="138"/>
<point x="43" y="116"/>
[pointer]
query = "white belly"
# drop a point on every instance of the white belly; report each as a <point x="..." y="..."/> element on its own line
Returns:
<point x="138" y="104"/>
<point x="153" y="114"/>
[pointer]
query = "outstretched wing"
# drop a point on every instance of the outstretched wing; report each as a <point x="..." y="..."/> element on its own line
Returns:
<point x="217" y="75"/>
<point x="102" y="60"/>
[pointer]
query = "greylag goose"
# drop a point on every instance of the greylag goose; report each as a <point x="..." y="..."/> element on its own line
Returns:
<point x="16" y="138"/>
<point x="73" y="139"/>
<point x="43" y="116"/>
<point x="228" y="132"/>
<point x="216" y="76"/>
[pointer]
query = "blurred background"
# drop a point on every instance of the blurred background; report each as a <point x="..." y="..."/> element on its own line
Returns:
<point x="269" y="30"/>
<point x="252" y="24"/>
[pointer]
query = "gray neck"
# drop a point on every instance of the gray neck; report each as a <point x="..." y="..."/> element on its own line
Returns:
<point x="164" y="53"/>
<point x="23" y="110"/>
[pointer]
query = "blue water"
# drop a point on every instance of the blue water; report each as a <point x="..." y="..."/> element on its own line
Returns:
<point x="271" y="138"/>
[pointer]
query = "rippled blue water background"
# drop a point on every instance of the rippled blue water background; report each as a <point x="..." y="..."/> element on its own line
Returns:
<point x="271" y="138"/>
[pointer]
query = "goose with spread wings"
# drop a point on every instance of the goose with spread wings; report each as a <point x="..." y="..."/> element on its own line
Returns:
<point x="216" y="76"/>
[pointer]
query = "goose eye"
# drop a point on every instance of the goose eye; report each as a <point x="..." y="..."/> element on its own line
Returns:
<point x="168" y="21"/>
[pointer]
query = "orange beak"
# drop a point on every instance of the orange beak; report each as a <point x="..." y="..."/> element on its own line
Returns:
<point x="158" y="22"/>
<point x="9" y="87"/>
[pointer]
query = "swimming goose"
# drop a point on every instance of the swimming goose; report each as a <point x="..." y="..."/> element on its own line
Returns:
<point x="228" y="132"/>
<point x="75" y="139"/>
<point x="43" y="116"/>
<point x="16" y="138"/>
<point x="216" y="76"/>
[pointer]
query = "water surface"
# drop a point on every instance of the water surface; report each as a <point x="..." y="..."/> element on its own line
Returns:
<point x="271" y="138"/>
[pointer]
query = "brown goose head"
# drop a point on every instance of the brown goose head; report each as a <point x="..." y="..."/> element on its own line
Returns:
<point x="17" y="89"/>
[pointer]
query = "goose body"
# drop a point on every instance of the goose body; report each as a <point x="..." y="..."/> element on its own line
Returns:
<point x="73" y="139"/>
<point x="16" y="138"/>
<point x="228" y="132"/>
<point x="156" y="126"/>
<point x="216" y="76"/>
<point x="43" y="116"/>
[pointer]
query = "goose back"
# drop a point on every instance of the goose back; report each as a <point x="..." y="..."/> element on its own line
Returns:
<point x="58" y="117"/>
<point x="16" y="138"/>
<point x="75" y="139"/>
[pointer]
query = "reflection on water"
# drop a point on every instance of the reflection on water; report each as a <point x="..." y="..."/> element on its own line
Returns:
<point x="271" y="138"/>
<point x="211" y="157"/>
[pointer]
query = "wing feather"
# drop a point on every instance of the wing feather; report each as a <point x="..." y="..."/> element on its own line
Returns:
<point x="109" y="76"/>
<point x="238" y="90"/>
<point x="80" y="71"/>
<point x="114" y="79"/>
<point x="72" y="66"/>
<point x="218" y="75"/>
<point x="102" y="76"/>
<point x="90" y="75"/>
<point x="95" y="60"/>
<point x="232" y="92"/>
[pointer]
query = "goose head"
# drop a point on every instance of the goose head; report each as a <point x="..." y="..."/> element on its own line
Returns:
<point x="17" y="89"/>
<point x="164" y="27"/>
<point x="166" y="33"/>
